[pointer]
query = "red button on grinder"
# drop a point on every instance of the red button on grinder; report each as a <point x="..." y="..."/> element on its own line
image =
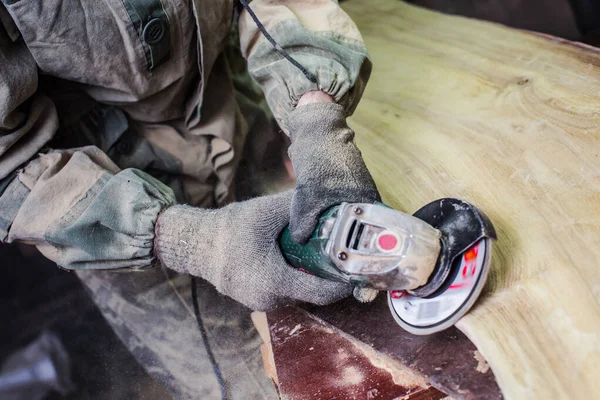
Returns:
<point x="387" y="241"/>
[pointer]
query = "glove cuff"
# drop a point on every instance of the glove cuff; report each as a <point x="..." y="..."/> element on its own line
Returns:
<point x="316" y="119"/>
<point x="174" y="243"/>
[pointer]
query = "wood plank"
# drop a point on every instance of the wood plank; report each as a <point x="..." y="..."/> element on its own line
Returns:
<point x="314" y="360"/>
<point x="510" y="122"/>
<point x="448" y="360"/>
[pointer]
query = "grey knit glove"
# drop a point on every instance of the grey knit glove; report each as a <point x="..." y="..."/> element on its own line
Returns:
<point x="236" y="249"/>
<point x="328" y="166"/>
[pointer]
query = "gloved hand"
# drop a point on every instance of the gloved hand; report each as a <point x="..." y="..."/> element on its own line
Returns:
<point x="328" y="166"/>
<point x="236" y="249"/>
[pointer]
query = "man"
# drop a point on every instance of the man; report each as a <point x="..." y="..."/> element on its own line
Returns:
<point x="115" y="113"/>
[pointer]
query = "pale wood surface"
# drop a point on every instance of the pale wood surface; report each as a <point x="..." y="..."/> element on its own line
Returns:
<point x="509" y="121"/>
<point x="262" y="326"/>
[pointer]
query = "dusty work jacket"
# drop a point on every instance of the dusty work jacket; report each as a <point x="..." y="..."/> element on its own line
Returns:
<point x="112" y="110"/>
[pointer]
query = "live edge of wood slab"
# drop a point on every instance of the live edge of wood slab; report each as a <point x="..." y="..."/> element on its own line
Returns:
<point x="446" y="360"/>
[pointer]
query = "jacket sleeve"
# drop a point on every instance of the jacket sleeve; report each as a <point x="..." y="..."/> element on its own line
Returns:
<point x="75" y="205"/>
<point x="316" y="33"/>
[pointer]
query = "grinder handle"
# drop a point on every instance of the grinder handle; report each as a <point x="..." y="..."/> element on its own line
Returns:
<point x="312" y="257"/>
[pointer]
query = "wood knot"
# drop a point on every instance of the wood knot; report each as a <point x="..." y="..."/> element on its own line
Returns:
<point x="523" y="81"/>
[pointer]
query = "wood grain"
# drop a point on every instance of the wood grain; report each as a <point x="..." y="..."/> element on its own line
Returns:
<point x="509" y="121"/>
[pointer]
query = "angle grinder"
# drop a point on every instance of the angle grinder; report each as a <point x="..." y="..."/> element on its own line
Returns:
<point x="432" y="264"/>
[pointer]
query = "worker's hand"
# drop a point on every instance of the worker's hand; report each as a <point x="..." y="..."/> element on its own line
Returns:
<point x="328" y="166"/>
<point x="236" y="249"/>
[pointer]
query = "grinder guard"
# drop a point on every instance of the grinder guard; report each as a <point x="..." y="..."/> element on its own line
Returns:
<point x="460" y="274"/>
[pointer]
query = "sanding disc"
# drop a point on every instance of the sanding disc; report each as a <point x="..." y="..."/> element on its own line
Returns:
<point x="423" y="316"/>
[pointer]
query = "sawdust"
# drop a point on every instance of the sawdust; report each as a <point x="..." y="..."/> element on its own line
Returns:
<point x="350" y="376"/>
<point x="295" y="329"/>
<point x="482" y="365"/>
<point x="324" y="328"/>
<point x="342" y="357"/>
<point x="401" y="375"/>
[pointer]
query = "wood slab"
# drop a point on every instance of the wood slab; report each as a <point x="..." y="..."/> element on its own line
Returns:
<point x="509" y="121"/>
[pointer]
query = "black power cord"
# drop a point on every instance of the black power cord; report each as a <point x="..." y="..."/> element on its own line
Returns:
<point x="309" y="75"/>
<point x="202" y="329"/>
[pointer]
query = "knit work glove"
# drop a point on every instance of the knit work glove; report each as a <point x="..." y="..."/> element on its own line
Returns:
<point x="328" y="166"/>
<point x="236" y="249"/>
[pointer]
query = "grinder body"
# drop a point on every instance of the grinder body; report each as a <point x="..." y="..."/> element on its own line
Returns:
<point x="416" y="259"/>
<point x="368" y="245"/>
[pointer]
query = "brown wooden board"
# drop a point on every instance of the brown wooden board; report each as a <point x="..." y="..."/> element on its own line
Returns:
<point x="316" y="361"/>
<point x="447" y="359"/>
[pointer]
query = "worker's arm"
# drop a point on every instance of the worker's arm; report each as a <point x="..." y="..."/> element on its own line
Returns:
<point x="321" y="37"/>
<point x="83" y="212"/>
<point x="75" y="205"/>
<point x="311" y="103"/>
